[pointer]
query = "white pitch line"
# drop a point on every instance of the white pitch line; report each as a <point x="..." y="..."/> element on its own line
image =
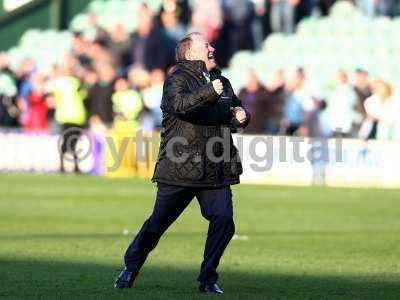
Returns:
<point x="238" y="237"/>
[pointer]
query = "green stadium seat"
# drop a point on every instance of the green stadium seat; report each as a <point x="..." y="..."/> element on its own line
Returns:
<point x="97" y="7"/>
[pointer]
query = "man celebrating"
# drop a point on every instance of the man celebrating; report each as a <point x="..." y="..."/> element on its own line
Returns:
<point x="199" y="106"/>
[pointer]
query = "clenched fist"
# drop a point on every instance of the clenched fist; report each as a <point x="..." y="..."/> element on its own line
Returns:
<point x="218" y="87"/>
<point x="239" y="114"/>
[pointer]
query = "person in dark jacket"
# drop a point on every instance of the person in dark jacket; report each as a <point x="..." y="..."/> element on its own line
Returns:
<point x="362" y="88"/>
<point x="199" y="107"/>
<point x="255" y="98"/>
<point x="98" y="102"/>
<point x="151" y="46"/>
<point x="275" y="103"/>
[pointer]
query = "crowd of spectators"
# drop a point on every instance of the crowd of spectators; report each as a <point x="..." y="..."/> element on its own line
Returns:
<point x="116" y="78"/>
<point x="363" y="107"/>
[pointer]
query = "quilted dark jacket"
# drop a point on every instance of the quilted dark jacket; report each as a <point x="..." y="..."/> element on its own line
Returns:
<point x="192" y="114"/>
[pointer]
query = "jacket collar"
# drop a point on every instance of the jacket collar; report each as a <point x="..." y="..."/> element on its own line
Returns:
<point x="194" y="66"/>
<point x="197" y="67"/>
<point x="215" y="73"/>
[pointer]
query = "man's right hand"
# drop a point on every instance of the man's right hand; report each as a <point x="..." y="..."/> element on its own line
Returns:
<point x="239" y="114"/>
<point x="218" y="86"/>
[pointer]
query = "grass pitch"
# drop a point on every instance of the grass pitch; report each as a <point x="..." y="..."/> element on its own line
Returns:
<point x="61" y="237"/>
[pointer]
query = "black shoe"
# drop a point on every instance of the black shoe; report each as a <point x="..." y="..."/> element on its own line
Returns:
<point x="210" y="288"/>
<point x="125" y="279"/>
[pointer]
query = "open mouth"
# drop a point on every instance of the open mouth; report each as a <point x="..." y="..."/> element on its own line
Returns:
<point x="211" y="55"/>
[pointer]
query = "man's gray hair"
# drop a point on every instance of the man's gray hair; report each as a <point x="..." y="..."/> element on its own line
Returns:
<point x="184" y="45"/>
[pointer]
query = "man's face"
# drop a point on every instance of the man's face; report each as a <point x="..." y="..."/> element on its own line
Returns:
<point x="202" y="50"/>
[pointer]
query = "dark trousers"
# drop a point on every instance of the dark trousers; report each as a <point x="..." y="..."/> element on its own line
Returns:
<point x="70" y="137"/>
<point x="216" y="207"/>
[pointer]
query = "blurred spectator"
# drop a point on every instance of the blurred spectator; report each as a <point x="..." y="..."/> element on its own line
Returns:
<point x="313" y="128"/>
<point x="238" y="15"/>
<point x="313" y="123"/>
<point x="342" y="104"/>
<point x="170" y="21"/>
<point x="152" y="99"/>
<point x="275" y="102"/>
<point x="3" y="61"/>
<point x="151" y="47"/>
<point x="99" y="103"/>
<point x="307" y="90"/>
<point x="93" y="31"/>
<point x="36" y="115"/>
<point x="69" y="111"/>
<point x="257" y="23"/>
<point x="282" y="16"/>
<point x="367" y="7"/>
<point x="127" y="104"/>
<point x="98" y="53"/>
<point x="320" y="8"/>
<point x="8" y="91"/>
<point x="139" y="78"/>
<point x="80" y="49"/>
<point x="119" y="46"/>
<point x="293" y="113"/>
<point x="26" y="70"/>
<point x="306" y="8"/>
<point x="383" y="110"/>
<point x="181" y="9"/>
<point x="362" y="89"/>
<point x="385" y="8"/>
<point x="207" y="18"/>
<point x="372" y="8"/>
<point x="254" y="98"/>
<point x="90" y="78"/>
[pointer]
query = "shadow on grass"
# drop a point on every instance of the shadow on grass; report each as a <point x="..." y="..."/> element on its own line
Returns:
<point x="130" y="235"/>
<point x="62" y="280"/>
